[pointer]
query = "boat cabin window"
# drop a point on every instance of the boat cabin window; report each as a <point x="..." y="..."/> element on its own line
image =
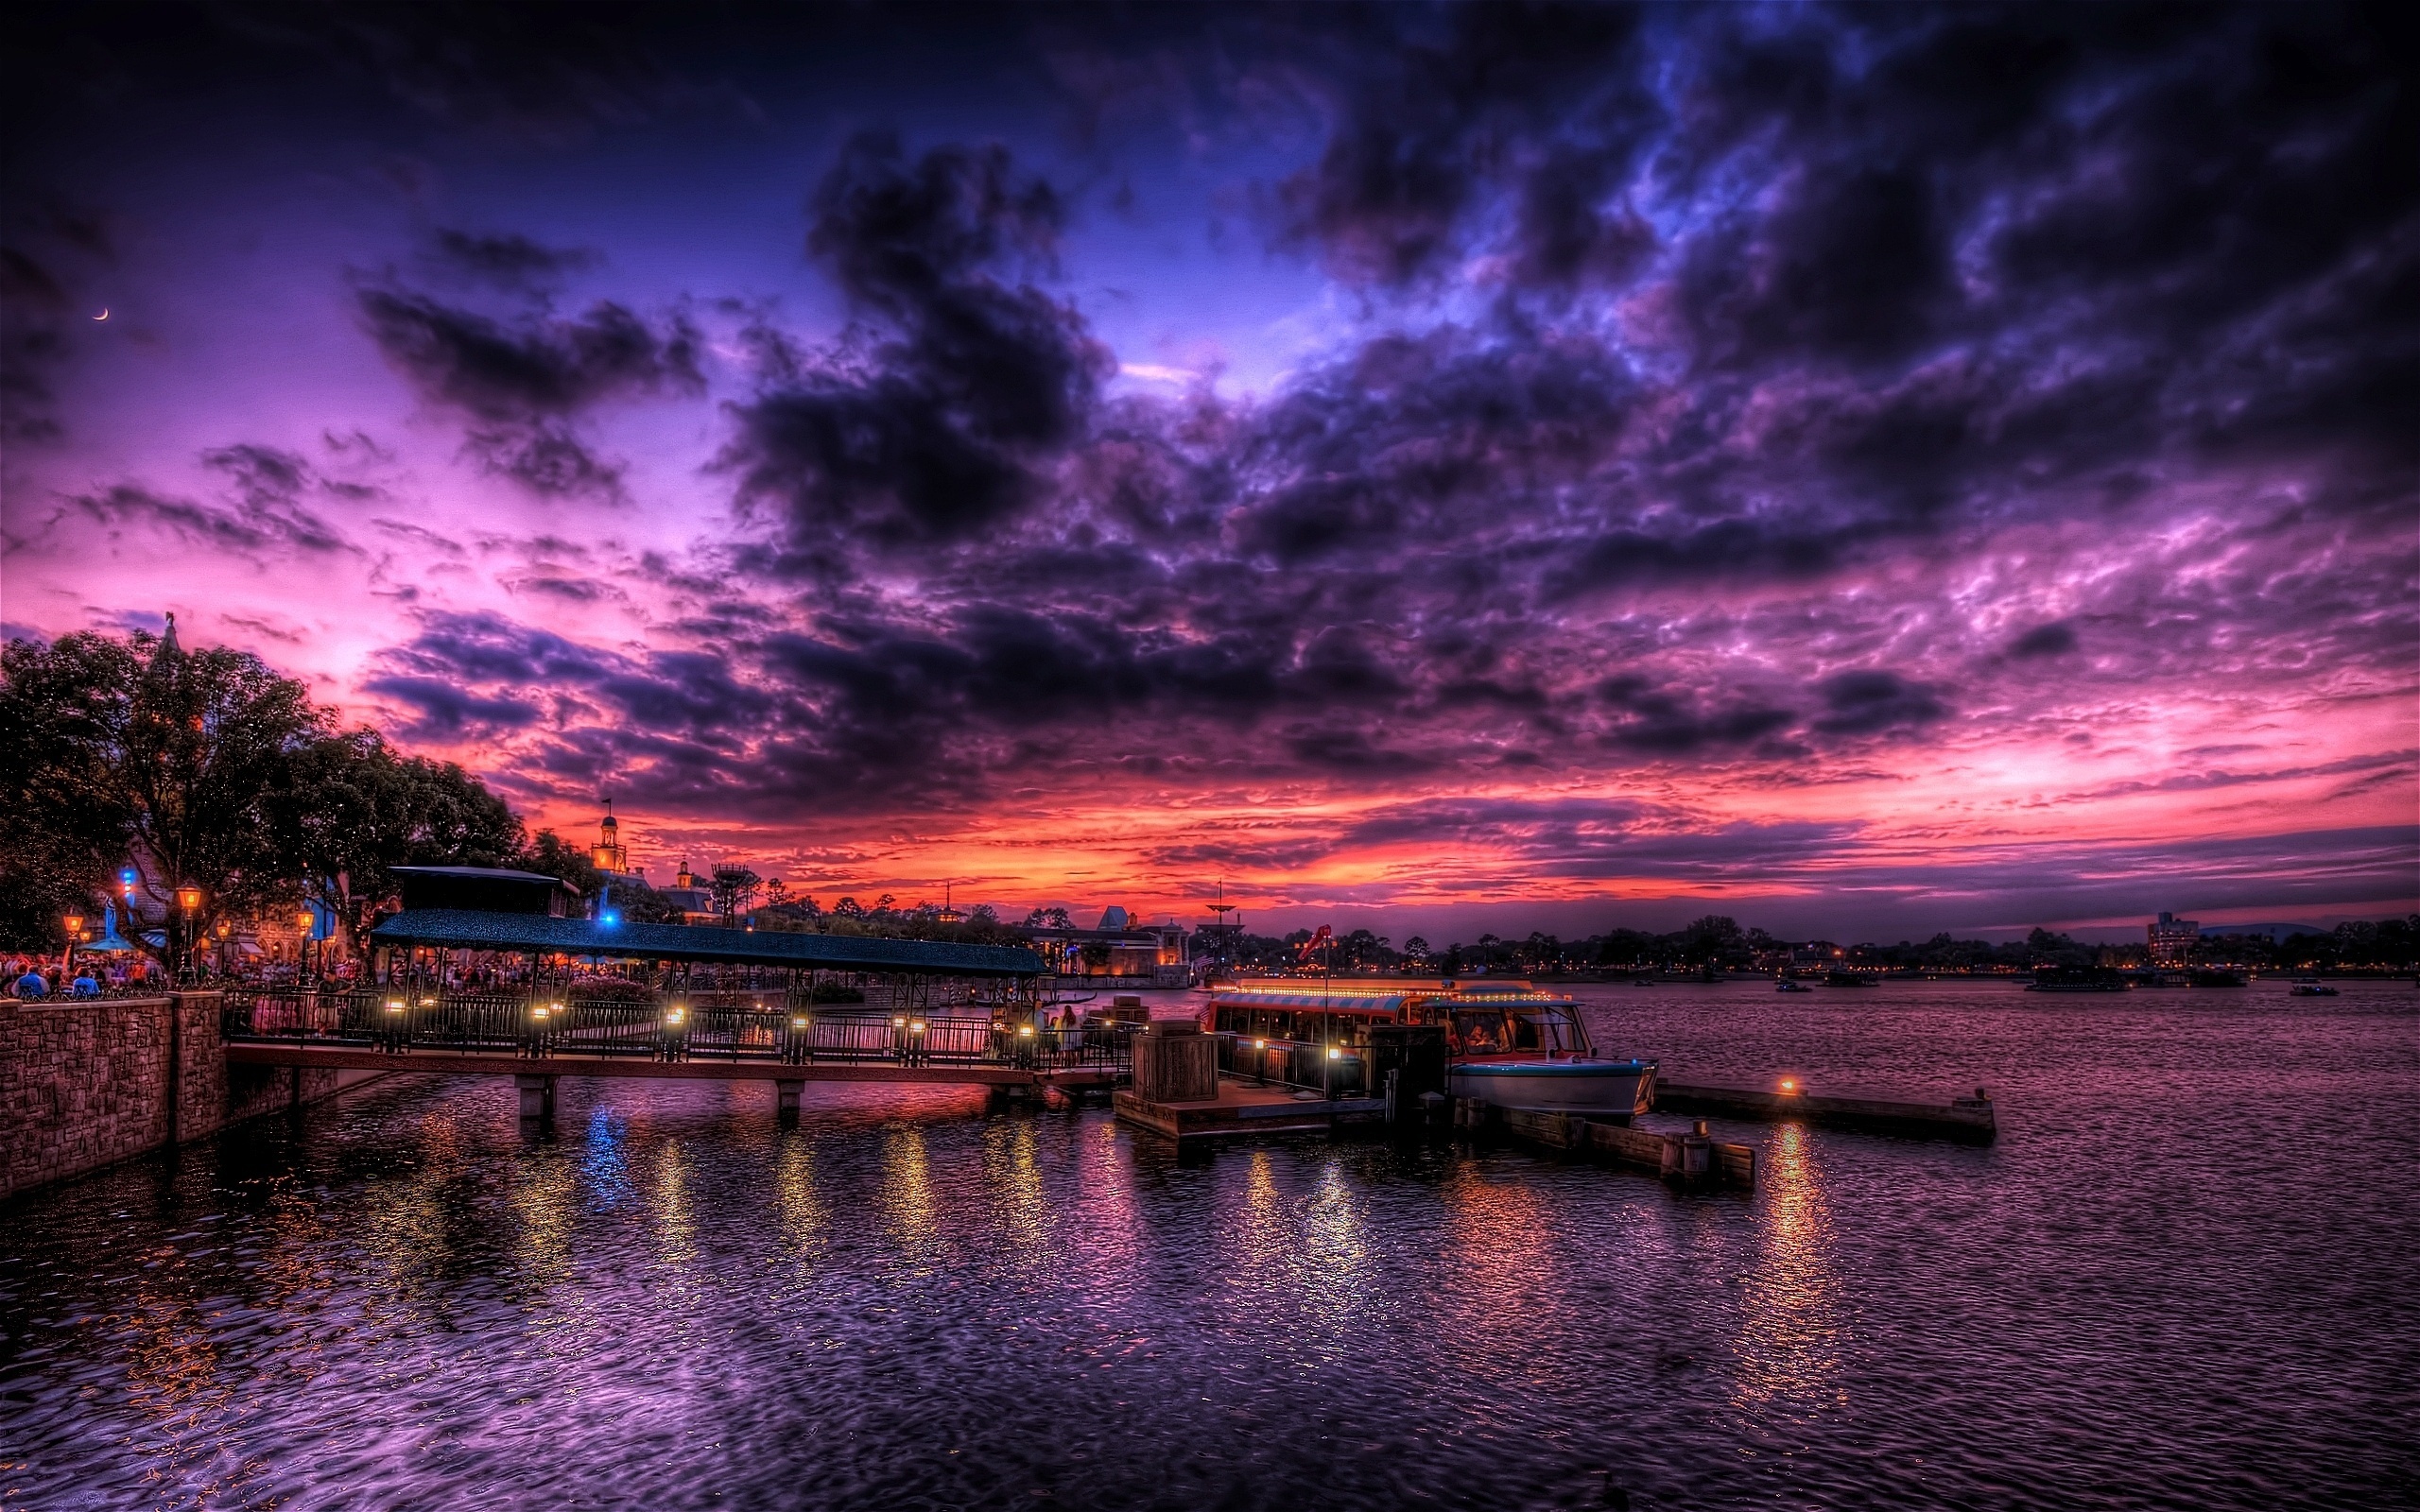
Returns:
<point x="1482" y="1032"/>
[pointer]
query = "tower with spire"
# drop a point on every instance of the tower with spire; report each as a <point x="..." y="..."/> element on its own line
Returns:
<point x="610" y="855"/>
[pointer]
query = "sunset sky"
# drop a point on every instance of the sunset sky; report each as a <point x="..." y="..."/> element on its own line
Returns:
<point x="1866" y="472"/>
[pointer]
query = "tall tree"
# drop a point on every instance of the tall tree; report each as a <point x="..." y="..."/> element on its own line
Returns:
<point x="354" y="809"/>
<point x="62" y="824"/>
<point x="209" y="770"/>
<point x="167" y="755"/>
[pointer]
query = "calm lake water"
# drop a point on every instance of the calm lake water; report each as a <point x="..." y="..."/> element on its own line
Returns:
<point x="2185" y="1277"/>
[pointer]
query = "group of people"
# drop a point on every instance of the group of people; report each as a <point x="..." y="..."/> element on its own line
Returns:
<point x="32" y="978"/>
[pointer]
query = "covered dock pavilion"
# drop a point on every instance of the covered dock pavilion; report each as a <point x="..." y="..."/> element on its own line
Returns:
<point x="542" y="995"/>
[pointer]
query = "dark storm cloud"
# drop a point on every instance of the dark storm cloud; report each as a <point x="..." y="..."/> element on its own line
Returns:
<point x="273" y="507"/>
<point x="2055" y="639"/>
<point x="441" y="711"/>
<point x="1665" y="722"/>
<point x="682" y="714"/>
<point x="241" y="525"/>
<point x="1423" y="144"/>
<point x="538" y="369"/>
<point x="1874" y="703"/>
<point x="510" y="260"/>
<point x="523" y="383"/>
<point x="1861" y="187"/>
<point x="972" y="386"/>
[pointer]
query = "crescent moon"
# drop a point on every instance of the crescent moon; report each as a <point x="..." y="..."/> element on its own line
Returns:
<point x="103" y="315"/>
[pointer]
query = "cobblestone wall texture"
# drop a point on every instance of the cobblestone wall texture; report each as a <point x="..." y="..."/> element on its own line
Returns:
<point x="83" y="1085"/>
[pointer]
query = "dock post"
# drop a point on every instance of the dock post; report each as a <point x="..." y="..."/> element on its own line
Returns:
<point x="786" y="1096"/>
<point x="537" y="1097"/>
<point x="1688" y="1158"/>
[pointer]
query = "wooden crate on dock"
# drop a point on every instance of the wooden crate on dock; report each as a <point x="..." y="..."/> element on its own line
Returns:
<point x="1175" y="1062"/>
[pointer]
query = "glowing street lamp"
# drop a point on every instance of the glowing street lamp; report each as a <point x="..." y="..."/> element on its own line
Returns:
<point x="188" y="901"/>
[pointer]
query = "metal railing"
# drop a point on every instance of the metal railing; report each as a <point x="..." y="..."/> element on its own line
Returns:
<point x="1294" y="1063"/>
<point x="674" y="1030"/>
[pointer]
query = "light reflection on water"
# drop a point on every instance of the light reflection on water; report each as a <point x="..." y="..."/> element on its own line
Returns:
<point x="1790" y="1343"/>
<point x="403" y="1301"/>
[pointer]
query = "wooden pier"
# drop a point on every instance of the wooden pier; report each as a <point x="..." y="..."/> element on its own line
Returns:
<point x="1689" y="1158"/>
<point x="1966" y="1120"/>
<point x="1178" y="1091"/>
<point x="1238" y="1107"/>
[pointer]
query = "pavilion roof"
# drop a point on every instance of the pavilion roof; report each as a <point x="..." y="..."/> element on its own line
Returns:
<point x="469" y="929"/>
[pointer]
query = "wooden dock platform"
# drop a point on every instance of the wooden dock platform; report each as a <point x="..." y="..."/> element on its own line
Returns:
<point x="1966" y="1120"/>
<point x="1241" y="1108"/>
<point x="1687" y="1158"/>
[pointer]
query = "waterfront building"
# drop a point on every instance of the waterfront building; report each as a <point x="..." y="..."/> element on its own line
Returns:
<point x="692" y="895"/>
<point x="2173" y="939"/>
<point x="1158" y="954"/>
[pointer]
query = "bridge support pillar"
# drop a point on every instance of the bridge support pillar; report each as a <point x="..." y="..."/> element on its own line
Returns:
<point x="786" y="1096"/>
<point x="537" y="1098"/>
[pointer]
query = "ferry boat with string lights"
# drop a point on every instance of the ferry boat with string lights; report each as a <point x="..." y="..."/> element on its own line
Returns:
<point x="1508" y="1042"/>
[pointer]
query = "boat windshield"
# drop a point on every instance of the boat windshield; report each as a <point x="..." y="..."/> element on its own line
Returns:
<point x="1494" y="1031"/>
<point x="1481" y="1031"/>
<point x="1551" y="1030"/>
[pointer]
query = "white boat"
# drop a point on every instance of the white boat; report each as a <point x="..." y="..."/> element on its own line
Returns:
<point x="1615" y="1089"/>
<point x="1508" y="1042"/>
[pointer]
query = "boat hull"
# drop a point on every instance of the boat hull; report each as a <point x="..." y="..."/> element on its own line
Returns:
<point x="1597" y="1089"/>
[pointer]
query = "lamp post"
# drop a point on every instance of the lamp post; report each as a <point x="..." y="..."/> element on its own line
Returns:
<point x="75" y="923"/>
<point x="304" y="920"/>
<point x="220" y="955"/>
<point x="188" y="901"/>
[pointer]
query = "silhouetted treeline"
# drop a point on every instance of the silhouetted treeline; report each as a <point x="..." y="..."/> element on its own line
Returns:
<point x="1720" y="943"/>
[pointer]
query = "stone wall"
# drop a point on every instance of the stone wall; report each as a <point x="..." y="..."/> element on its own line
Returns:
<point x="83" y="1085"/>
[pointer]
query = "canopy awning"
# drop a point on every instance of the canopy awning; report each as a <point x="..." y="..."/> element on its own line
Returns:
<point x="1386" y="1004"/>
<point x="469" y="929"/>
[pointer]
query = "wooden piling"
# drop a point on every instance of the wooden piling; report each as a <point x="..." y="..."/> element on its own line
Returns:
<point x="537" y="1097"/>
<point x="1175" y="1062"/>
